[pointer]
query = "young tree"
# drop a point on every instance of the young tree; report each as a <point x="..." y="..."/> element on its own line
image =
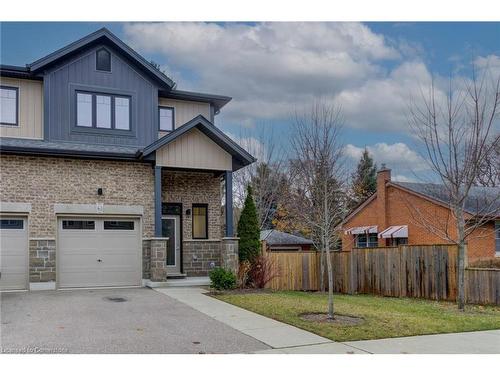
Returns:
<point x="364" y="180"/>
<point x="318" y="175"/>
<point x="458" y="135"/>
<point x="248" y="229"/>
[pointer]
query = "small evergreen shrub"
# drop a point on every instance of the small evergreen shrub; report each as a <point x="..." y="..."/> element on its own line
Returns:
<point x="221" y="279"/>
<point x="249" y="230"/>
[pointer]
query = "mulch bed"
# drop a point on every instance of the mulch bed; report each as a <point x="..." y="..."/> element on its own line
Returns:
<point x="214" y="292"/>
<point x="341" y="320"/>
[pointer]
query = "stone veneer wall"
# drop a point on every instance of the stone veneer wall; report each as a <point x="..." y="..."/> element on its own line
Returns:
<point x="200" y="255"/>
<point x="42" y="260"/>
<point x="44" y="181"/>
<point x="194" y="187"/>
<point x="146" y="259"/>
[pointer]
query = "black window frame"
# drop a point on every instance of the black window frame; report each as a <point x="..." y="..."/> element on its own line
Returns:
<point x="160" y="107"/>
<point x="16" y="89"/>
<point x="118" y="227"/>
<point x="97" y="60"/>
<point x="94" y="126"/>
<point x="84" y="226"/>
<point x="9" y="224"/>
<point x="199" y="205"/>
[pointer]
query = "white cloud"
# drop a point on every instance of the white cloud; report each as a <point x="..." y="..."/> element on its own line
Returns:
<point x="270" y="69"/>
<point x="404" y="162"/>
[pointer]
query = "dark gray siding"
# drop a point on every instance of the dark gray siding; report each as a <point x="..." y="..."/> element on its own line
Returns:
<point x="79" y="73"/>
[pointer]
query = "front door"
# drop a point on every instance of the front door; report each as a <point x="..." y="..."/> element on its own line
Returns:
<point x="171" y="228"/>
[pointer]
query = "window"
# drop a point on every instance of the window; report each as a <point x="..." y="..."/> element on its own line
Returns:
<point x="103" y="60"/>
<point x="118" y="225"/>
<point x="78" y="224"/>
<point x="122" y="113"/>
<point x="103" y="111"/>
<point x="366" y="240"/>
<point x="200" y="221"/>
<point x="497" y="238"/>
<point x="166" y="115"/>
<point x="8" y="105"/>
<point x="398" y="241"/>
<point x="84" y="110"/>
<point x="11" y="224"/>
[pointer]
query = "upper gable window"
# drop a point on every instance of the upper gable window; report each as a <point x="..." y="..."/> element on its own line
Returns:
<point x="166" y="118"/>
<point x="103" y="60"/>
<point x="102" y="111"/>
<point x="8" y="105"/>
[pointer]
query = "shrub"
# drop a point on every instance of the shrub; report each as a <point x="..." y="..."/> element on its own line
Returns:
<point x="221" y="279"/>
<point x="262" y="270"/>
<point x="244" y="274"/>
<point x="248" y="229"/>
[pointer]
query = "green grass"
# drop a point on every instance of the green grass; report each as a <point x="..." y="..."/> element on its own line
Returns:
<point x="383" y="316"/>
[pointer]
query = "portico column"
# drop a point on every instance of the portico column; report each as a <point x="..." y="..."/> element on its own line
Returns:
<point x="229" y="203"/>
<point x="158" y="230"/>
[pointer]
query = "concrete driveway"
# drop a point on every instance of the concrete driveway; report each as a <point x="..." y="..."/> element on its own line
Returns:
<point x="112" y="321"/>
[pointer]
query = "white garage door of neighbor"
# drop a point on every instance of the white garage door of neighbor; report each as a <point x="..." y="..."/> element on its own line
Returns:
<point x="95" y="252"/>
<point x="13" y="253"/>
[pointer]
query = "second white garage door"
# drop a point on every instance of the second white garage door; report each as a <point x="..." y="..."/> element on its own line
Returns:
<point x="99" y="252"/>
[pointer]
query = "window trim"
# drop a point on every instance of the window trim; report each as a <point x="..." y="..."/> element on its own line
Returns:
<point x="113" y="130"/>
<point x="12" y="227"/>
<point x="16" y="89"/>
<point x="160" y="107"/>
<point x="79" y="229"/>
<point x="204" y="205"/>
<point x="110" y="60"/>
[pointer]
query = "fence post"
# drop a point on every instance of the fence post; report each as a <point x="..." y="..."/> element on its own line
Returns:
<point x="352" y="277"/>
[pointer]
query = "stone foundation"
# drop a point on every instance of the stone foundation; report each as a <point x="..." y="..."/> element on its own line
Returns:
<point x="42" y="260"/>
<point x="146" y="259"/>
<point x="158" y="267"/>
<point x="229" y="254"/>
<point x="200" y="256"/>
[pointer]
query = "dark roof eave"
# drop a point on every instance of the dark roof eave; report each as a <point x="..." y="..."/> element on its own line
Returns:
<point x="218" y="101"/>
<point x="104" y="34"/>
<point x="69" y="153"/>
<point x="22" y="72"/>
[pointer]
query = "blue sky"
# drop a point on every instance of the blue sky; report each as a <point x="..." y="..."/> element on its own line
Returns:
<point x="272" y="70"/>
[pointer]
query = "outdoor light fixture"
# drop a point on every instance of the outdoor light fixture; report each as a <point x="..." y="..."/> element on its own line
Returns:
<point x="188" y="212"/>
<point x="99" y="191"/>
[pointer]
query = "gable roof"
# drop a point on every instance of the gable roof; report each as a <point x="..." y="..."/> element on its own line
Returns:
<point x="480" y="197"/>
<point x="107" y="37"/>
<point x="276" y="237"/>
<point x="241" y="156"/>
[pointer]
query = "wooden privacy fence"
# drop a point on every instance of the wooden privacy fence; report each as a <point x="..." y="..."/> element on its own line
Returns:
<point x="428" y="271"/>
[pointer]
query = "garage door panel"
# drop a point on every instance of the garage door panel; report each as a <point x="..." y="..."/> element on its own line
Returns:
<point x="100" y="257"/>
<point x="14" y="257"/>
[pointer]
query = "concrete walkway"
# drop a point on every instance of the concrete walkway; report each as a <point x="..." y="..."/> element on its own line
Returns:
<point x="284" y="338"/>
<point x="481" y="342"/>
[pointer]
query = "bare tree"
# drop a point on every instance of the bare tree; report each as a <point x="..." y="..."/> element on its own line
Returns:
<point x="266" y="176"/>
<point x="489" y="170"/>
<point x="318" y="177"/>
<point x="459" y="135"/>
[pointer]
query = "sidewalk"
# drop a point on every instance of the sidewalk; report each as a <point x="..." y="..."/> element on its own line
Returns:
<point x="284" y="338"/>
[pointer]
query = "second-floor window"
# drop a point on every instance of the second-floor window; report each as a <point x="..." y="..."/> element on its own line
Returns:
<point x="8" y="105"/>
<point x="102" y="111"/>
<point x="166" y="116"/>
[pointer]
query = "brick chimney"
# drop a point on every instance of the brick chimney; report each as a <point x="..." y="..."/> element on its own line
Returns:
<point x="383" y="176"/>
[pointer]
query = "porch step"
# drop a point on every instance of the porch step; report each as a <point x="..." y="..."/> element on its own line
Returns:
<point x="188" y="281"/>
<point x="176" y="275"/>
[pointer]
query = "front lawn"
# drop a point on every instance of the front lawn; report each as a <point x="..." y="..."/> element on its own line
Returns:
<point x="383" y="316"/>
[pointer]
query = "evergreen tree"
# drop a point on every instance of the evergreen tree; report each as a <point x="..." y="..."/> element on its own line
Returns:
<point x="364" y="180"/>
<point x="248" y="229"/>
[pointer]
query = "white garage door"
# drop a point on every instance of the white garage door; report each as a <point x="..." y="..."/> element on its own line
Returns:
<point x="96" y="252"/>
<point x="13" y="253"/>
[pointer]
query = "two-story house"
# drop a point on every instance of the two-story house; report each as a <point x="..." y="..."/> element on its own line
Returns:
<point x="109" y="175"/>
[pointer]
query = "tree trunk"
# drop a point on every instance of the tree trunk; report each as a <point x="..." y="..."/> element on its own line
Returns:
<point x="462" y="257"/>
<point x="322" y="270"/>
<point x="330" y="281"/>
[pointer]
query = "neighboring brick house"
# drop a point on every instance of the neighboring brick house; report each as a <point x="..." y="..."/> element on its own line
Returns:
<point x="418" y="214"/>
<point x="109" y="175"/>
